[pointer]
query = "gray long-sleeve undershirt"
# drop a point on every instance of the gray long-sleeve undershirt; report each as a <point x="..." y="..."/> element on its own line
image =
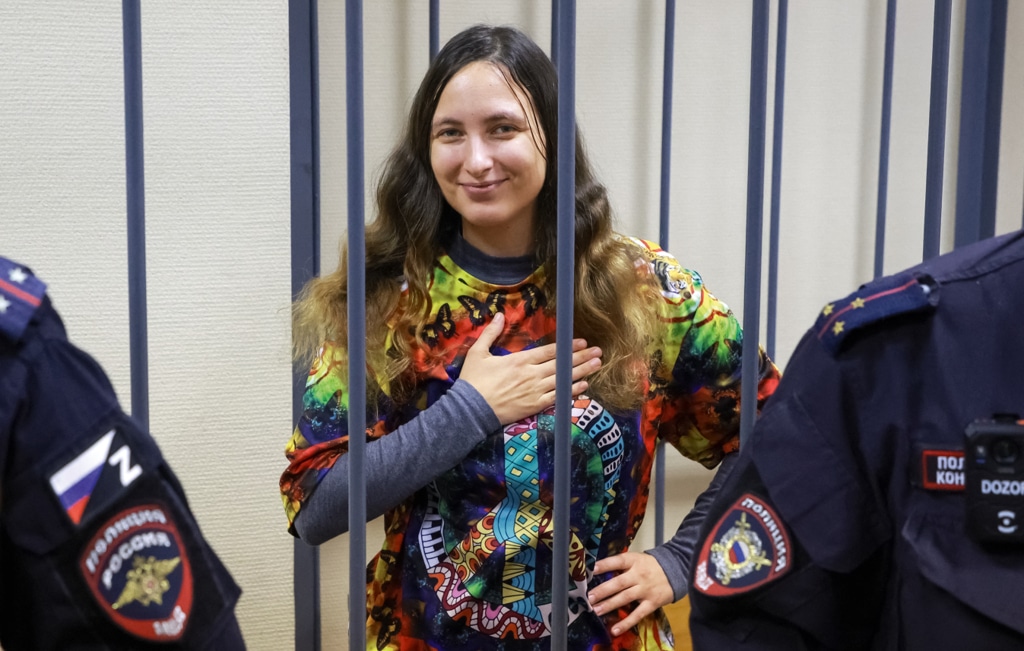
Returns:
<point x="400" y="463"/>
<point x="676" y="554"/>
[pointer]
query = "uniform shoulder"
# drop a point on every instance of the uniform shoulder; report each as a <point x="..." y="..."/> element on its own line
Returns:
<point x="903" y="293"/>
<point x="21" y="294"/>
<point x="971" y="261"/>
<point x="915" y="289"/>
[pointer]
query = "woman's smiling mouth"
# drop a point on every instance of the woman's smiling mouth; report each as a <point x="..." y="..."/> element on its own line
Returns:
<point x="480" y="189"/>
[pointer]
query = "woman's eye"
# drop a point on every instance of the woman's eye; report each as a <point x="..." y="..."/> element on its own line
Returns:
<point x="448" y="133"/>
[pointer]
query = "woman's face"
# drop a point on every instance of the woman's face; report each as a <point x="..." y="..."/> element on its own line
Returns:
<point x="487" y="154"/>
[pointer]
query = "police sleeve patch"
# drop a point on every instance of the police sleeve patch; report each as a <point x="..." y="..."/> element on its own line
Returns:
<point x="137" y="569"/>
<point x="747" y="548"/>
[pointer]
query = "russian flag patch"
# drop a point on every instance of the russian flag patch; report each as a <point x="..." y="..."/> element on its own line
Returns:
<point x="77" y="482"/>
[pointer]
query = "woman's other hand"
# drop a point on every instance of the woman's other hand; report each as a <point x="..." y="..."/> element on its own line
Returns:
<point x="522" y="384"/>
<point x="639" y="579"/>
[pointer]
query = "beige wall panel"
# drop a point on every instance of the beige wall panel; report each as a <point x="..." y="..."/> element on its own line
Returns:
<point x="1010" y="201"/>
<point x="217" y="203"/>
<point x="62" y="168"/>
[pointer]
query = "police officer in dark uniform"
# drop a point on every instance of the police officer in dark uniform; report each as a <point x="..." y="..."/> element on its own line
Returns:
<point x="879" y="503"/>
<point x="98" y="547"/>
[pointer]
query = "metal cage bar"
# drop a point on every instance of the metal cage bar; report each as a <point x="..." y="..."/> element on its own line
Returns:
<point x="663" y="230"/>
<point x="755" y="215"/>
<point x="435" y="28"/>
<point x="773" y="217"/>
<point x="356" y="456"/>
<point x="981" y="108"/>
<point x="303" y="66"/>
<point x="138" y="328"/>
<point x="883" y="145"/>
<point x="936" y="129"/>
<point x="566" y="206"/>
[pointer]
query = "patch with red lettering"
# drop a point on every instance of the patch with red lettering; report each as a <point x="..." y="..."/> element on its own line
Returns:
<point x="138" y="570"/>
<point x="748" y="547"/>
<point x="942" y="470"/>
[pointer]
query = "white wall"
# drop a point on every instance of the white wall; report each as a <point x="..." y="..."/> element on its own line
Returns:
<point x="217" y="196"/>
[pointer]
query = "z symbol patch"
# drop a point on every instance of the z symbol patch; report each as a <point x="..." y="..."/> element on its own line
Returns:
<point x="139" y="572"/>
<point x="96" y="477"/>
<point x="747" y="548"/>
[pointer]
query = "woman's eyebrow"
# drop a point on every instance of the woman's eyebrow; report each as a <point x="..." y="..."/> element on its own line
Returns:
<point x="445" y="121"/>
<point x="506" y="116"/>
<point x="499" y="116"/>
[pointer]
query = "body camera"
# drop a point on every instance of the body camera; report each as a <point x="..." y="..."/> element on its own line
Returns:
<point x="994" y="478"/>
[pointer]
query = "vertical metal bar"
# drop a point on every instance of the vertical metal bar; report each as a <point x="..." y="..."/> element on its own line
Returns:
<point x="138" y="329"/>
<point x="663" y="230"/>
<point x="666" y="123"/>
<point x="936" y="129"/>
<point x="566" y="205"/>
<point x="305" y="262"/>
<point x="435" y="28"/>
<point x="755" y="214"/>
<point x="981" y="107"/>
<point x="883" y="145"/>
<point x="356" y="324"/>
<point x="773" y="218"/>
<point x="554" y="31"/>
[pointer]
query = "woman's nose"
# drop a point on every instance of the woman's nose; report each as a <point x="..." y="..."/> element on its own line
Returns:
<point x="478" y="157"/>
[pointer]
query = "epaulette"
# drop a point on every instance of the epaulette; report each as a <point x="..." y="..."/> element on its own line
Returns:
<point x="875" y="301"/>
<point x="20" y="294"/>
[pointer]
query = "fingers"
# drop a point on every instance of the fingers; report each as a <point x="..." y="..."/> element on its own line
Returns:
<point x="547" y="353"/>
<point x="640" y="581"/>
<point x="619" y="593"/>
<point x="584" y="362"/>
<point x="616" y="563"/>
<point x="612" y="563"/>
<point x="642" y="610"/>
<point x="489" y="334"/>
<point x="547" y="399"/>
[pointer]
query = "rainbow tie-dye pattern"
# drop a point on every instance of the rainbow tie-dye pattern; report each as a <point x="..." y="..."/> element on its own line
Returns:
<point x="465" y="565"/>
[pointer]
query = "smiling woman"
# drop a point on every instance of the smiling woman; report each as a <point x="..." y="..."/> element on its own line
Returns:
<point x="488" y="159"/>
<point x="460" y="291"/>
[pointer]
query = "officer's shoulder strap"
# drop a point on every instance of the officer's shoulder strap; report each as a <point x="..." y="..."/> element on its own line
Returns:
<point x="21" y="293"/>
<point x="903" y="293"/>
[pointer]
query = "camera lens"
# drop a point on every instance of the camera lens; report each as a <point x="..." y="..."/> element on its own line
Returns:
<point x="1004" y="451"/>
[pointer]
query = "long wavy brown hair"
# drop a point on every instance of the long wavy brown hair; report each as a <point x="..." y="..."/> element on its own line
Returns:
<point x="613" y="293"/>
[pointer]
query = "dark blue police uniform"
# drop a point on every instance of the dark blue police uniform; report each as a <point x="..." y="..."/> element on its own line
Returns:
<point x="844" y="522"/>
<point x="98" y="547"/>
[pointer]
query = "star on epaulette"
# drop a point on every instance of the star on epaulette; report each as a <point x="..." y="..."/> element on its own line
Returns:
<point x="20" y="294"/>
<point x="900" y="294"/>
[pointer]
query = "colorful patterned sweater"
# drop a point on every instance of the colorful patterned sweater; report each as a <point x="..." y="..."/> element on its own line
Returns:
<point x="466" y="561"/>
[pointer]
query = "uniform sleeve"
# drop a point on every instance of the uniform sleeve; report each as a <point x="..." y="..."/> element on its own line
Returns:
<point x="89" y="507"/>
<point x="11" y="395"/>
<point x="790" y="555"/>
<point x="698" y="364"/>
